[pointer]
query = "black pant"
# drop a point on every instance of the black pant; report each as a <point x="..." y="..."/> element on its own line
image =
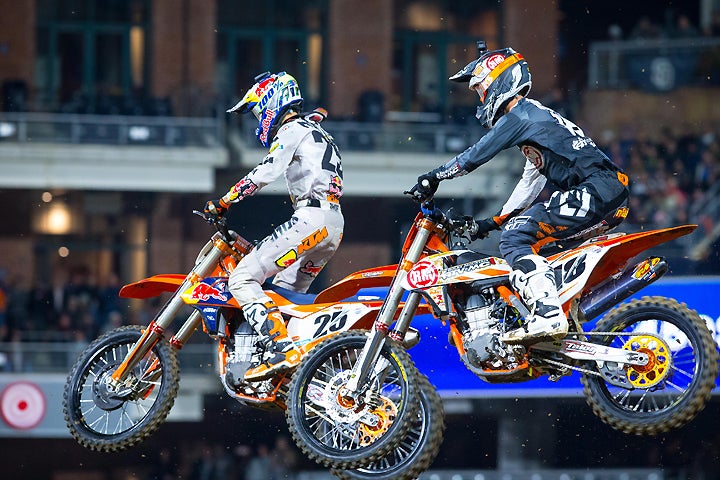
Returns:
<point x="596" y="205"/>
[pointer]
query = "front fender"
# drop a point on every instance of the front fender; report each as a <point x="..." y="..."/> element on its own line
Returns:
<point x="153" y="286"/>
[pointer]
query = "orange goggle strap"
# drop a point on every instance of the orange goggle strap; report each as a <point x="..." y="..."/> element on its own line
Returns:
<point x="497" y="71"/>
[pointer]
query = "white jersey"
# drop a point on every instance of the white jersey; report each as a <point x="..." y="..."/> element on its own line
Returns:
<point x="308" y="157"/>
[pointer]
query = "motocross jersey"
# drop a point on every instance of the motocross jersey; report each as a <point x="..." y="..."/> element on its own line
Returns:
<point x="309" y="158"/>
<point x="555" y="149"/>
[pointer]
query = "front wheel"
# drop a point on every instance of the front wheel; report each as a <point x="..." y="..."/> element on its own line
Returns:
<point x="416" y="452"/>
<point x="676" y="383"/>
<point x="108" y="419"/>
<point x="344" y="431"/>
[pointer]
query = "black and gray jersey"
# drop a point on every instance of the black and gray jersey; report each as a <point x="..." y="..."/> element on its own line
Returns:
<point x="555" y="149"/>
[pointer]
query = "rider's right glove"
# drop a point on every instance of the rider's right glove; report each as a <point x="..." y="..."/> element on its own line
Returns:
<point x="484" y="227"/>
<point x="216" y="208"/>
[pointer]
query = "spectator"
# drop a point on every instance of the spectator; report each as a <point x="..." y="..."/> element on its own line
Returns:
<point x="646" y="29"/>
<point x="713" y="30"/>
<point x="283" y="459"/>
<point x="259" y="466"/>
<point x="684" y="28"/>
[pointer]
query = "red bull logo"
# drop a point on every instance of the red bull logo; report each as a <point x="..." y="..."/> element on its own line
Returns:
<point x="203" y="292"/>
<point x="422" y="275"/>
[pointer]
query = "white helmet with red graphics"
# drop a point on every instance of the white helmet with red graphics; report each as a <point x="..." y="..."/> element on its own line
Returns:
<point x="269" y="100"/>
<point x="497" y="76"/>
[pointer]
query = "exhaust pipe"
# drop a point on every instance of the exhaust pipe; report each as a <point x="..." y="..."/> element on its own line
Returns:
<point x="616" y="290"/>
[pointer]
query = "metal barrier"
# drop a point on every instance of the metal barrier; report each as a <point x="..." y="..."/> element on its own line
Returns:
<point x="392" y="136"/>
<point x="658" y="65"/>
<point x="65" y="128"/>
<point x="59" y="357"/>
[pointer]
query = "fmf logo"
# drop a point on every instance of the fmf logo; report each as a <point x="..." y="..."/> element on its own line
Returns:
<point x="204" y="292"/>
<point x="422" y="275"/>
<point x="646" y="270"/>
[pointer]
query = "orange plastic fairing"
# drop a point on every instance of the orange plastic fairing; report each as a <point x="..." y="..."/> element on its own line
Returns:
<point x="628" y="246"/>
<point x="153" y="286"/>
<point x="350" y="285"/>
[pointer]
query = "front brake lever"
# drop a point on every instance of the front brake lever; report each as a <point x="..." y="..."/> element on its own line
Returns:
<point x="219" y="223"/>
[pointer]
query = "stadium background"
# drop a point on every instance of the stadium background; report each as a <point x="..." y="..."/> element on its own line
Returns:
<point x="112" y="130"/>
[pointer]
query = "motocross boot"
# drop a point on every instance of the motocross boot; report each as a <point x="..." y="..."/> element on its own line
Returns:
<point x="266" y="319"/>
<point x="534" y="279"/>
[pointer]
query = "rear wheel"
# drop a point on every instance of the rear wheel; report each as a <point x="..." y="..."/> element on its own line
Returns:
<point x="416" y="451"/>
<point x="106" y="419"/>
<point x="677" y="382"/>
<point x="342" y="431"/>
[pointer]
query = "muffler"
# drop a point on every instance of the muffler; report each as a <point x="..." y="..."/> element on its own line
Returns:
<point x="618" y="289"/>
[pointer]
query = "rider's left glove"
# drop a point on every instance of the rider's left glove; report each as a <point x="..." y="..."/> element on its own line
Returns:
<point x="484" y="227"/>
<point x="216" y="208"/>
<point x="427" y="185"/>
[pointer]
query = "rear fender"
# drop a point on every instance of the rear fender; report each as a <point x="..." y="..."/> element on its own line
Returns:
<point x="350" y="285"/>
<point x="626" y="247"/>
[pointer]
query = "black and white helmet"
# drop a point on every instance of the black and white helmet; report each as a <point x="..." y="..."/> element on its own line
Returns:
<point x="497" y="76"/>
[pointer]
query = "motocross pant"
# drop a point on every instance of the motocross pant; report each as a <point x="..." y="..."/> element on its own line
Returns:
<point x="595" y="206"/>
<point x="294" y="253"/>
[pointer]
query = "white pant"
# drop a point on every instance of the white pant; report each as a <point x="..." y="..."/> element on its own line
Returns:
<point x="294" y="253"/>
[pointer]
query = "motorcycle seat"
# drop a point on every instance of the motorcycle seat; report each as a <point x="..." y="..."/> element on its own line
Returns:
<point x="295" y="297"/>
<point x="467" y="257"/>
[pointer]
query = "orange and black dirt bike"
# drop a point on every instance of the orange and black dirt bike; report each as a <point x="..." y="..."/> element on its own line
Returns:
<point x="123" y="385"/>
<point x="647" y="367"/>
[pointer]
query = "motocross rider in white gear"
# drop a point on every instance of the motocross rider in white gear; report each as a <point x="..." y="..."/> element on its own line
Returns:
<point x="298" y="249"/>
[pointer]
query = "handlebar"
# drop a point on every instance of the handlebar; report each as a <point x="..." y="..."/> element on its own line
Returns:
<point x="218" y="222"/>
<point x="452" y="220"/>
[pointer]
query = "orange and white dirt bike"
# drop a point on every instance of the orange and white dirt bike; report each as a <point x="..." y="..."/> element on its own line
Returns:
<point x="648" y="366"/>
<point x="123" y="385"/>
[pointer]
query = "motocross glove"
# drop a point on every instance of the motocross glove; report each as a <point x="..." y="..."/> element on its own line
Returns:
<point x="216" y="208"/>
<point x="427" y="185"/>
<point x="484" y="227"/>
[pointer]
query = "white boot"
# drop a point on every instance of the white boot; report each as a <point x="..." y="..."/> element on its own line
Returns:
<point x="535" y="282"/>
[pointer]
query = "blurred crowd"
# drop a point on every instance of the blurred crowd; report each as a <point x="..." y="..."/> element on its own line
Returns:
<point x="75" y="309"/>
<point x="672" y="175"/>
<point x="204" y="461"/>
<point x="676" y="26"/>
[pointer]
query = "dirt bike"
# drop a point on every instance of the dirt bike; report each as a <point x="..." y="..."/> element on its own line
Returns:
<point x="123" y="385"/>
<point x="648" y="366"/>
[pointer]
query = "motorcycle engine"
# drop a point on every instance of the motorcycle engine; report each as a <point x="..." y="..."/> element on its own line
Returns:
<point x="242" y="356"/>
<point x="481" y="335"/>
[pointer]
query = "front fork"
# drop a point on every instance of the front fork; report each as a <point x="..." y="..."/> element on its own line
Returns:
<point x="376" y="338"/>
<point x="155" y="330"/>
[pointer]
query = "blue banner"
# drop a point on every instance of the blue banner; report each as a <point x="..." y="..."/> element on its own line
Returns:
<point x="439" y="360"/>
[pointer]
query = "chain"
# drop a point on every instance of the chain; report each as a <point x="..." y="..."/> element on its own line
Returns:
<point x="571" y="367"/>
<point x="615" y="334"/>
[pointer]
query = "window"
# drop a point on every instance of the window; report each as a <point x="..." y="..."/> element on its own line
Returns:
<point x="91" y="54"/>
<point x="272" y="36"/>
